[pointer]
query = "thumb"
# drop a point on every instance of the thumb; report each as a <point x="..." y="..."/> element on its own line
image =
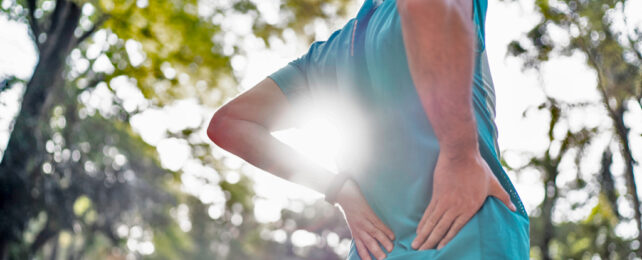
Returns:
<point x="498" y="191"/>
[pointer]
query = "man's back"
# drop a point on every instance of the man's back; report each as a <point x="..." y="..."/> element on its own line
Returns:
<point x="366" y="61"/>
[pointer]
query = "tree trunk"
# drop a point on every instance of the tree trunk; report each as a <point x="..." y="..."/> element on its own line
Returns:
<point x="21" y="162"/>
<point x="547" y="207"/>
<point x="622" y="132"/>
<point x="48" y="232"/>
<point x="607" y="183"/>
<point x="3" y="248"/>
<point x="54" y="250"/>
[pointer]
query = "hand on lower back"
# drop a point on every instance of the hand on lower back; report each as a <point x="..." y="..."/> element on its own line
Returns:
<point x="366" y="228"/>
<point x="461" y="184"/>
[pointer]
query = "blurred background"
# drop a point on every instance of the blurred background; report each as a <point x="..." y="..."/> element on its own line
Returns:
<point x="104" y="106"/>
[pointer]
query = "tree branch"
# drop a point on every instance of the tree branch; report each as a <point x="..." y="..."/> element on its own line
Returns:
<point x="628" y="36"/>
<point x="93" y="29"/>
<point x="43" y="236"/>
<point x="57" y="14"/>
<point x="639" y="97"/>
<point x="601" y="79"/>
<point x="33" y="22"/>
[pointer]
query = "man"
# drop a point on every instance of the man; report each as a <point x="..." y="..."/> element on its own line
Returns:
<point x="432" y="186"/>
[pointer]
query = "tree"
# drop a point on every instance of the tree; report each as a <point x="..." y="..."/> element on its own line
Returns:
<point x="75" y="169"/>
<point x="599" y="31"/>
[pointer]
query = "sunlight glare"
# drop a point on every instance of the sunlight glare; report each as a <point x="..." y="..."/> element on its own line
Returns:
<point x="317" y="140"/>
<point x="332" y="132"/>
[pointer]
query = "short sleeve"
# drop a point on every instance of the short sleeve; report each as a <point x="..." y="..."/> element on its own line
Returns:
<point x="291" y="80"/>
<point x="479" y="18"/>
<point x="315" y="69"/>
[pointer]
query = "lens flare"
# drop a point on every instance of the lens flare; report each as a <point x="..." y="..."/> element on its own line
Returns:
<point x="333" y="131"/>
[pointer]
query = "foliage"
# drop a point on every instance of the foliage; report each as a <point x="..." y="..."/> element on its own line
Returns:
<point x="599" y="31"/>
<point x="77" y="182"/>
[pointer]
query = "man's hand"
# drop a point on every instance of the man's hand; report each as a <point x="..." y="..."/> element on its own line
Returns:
<point x="439" y="36"/>
<point x="366" y="228"/>
<point x="461" y="183"/>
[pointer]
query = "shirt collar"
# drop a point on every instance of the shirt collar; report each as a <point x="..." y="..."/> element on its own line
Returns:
<point x="367" y="6"/>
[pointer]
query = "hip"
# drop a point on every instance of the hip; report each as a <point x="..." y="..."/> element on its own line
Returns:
<point x="494" y="232"/>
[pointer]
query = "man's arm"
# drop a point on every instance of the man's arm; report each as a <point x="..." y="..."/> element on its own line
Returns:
<point x="439" y="40"/>
<point x="243" y="127"/>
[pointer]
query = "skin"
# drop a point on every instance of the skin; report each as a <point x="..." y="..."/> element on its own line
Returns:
<point x="439" y="40"/>
<point x="243" y="126"/>
<point x="438" y="36"/>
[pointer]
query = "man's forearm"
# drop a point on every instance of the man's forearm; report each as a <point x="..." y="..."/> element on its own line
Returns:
<point x="439" y="40"/>
<point x="254" y="144"/>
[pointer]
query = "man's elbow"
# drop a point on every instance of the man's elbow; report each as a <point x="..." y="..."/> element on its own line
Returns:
<point x="218" y="127"/>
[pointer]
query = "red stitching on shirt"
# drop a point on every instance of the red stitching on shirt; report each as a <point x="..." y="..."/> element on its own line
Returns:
<point x="354" y="29"/>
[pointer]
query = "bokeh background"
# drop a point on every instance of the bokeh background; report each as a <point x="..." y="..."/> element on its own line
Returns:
<point x="104" y="106"/>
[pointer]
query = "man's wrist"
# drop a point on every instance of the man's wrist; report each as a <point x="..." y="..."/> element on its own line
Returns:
<point x="460" y="149"/>
<point x="346" y="190"/>
<point x="335" y="186"/>
<point x="459" y="137"/>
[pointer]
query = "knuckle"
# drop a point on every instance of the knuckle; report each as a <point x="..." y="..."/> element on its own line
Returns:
<point x="363" y="234"/>
<point x="431" y="242"/>
<point x="422" y="221"/>
<point x="438" y="229"/>
<point x="430" y="222"/>
<point x="380" y="234"/>
<point x="427" y="243"/>
<point x="421" y="233"/>
<point x="375" y="219"/>
<point x="371" y="231"/>
<point x="381" y="237"/>
<point x="447" y="238"/>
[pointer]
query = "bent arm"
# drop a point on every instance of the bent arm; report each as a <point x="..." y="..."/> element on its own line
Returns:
<point x="243" y="127"/>
<point x="439" y="39"/>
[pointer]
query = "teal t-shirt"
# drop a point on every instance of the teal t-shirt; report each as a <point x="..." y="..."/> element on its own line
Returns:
<point x="365" y="62"/>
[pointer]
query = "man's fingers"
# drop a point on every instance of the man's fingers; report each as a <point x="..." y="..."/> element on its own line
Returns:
<point x="380" y="236"/>
<point x="440" y="229"/>
<point x="373" y="246"/>
<point x="431" y="221"/>
<point x="429" y="209"/>
<point x="381" y="226"/>
<point x="361" y="250"/>
<point x="459" y="222"/>
<point x="501" y="194"/>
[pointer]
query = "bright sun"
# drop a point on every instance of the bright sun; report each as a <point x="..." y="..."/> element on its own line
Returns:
<point x="332" y="132"/>
<point x="317" y="139"/>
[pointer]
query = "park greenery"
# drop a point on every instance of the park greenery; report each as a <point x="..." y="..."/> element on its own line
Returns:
<point x="600" y="32"/>
<point x="77" y="182"/>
